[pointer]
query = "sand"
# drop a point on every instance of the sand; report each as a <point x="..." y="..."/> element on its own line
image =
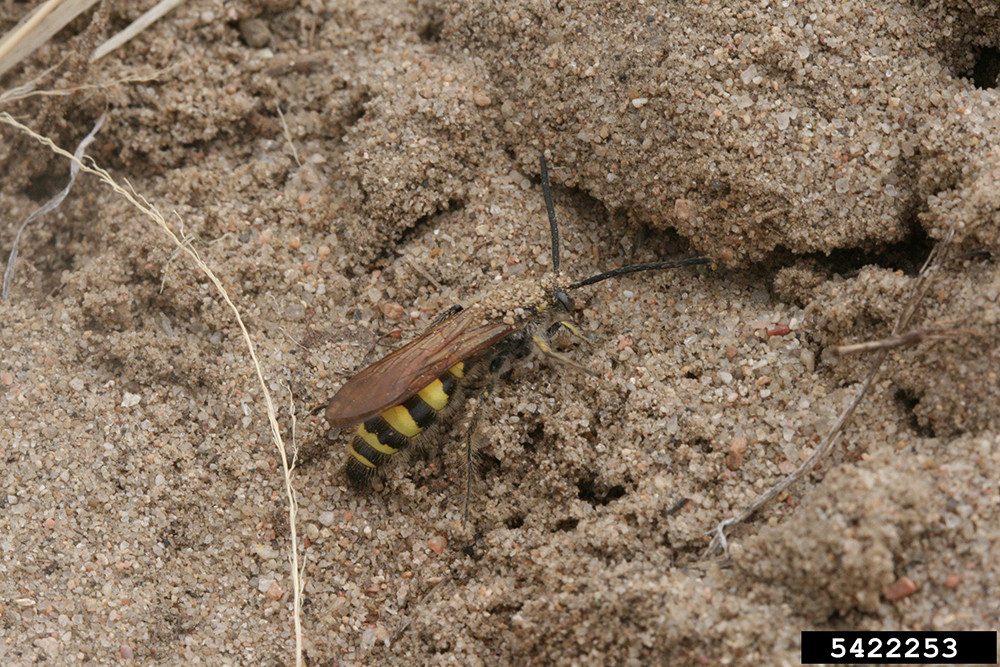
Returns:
<point x="817" y="150"/>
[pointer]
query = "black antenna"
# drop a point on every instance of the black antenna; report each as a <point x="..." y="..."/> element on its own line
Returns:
<point x="552" y="215"/>
<point x="635" y="268"/>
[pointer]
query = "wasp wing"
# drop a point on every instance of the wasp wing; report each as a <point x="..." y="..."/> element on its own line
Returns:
<point x="398" y="376"/>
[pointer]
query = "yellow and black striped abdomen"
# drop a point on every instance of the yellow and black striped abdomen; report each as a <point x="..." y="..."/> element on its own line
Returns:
<point x="380" y="438"/>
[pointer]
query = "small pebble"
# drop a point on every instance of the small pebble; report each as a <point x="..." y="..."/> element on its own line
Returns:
<point x="437" y="544"/>
<point x="899" y="589"/>
<point x="780" y="330"/>
<point x="266" y="553"/>
<point x="808" y="358"/>
<point x="275" y="591"/>
<point x="129" y="400"/>
<point x="255" y="33"/>
<point x="952" y="581"/>
<point x="482" y="100"/>
<point x="294" y="243"/>
<point x="50" y="645"/>
<point x="392" y="310"/>
<point x="734" y="457"/>
<point x="683" y="209"/>
<point x="126" y="652"/>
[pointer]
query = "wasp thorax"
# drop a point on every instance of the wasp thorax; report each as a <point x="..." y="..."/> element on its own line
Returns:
<point x="514" y="301"/>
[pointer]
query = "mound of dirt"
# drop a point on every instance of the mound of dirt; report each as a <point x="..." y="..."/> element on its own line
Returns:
<point x="817" y="150"/>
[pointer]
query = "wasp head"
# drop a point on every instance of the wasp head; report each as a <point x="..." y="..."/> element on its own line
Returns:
<point x="563" y="300"/>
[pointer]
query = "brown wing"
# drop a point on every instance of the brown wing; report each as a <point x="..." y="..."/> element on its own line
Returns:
<point x="398" y="376"/>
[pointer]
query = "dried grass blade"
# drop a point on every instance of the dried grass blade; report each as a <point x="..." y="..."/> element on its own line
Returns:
<point x="50" y="205"/>
<point x="139" y="202"/>
<point x="149" y="18"/>
<point x="38" y="28"/>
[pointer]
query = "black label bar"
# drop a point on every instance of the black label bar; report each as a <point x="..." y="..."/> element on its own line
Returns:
<point x="899" y="647"/>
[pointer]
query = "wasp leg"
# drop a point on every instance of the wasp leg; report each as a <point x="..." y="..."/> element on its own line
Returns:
<point x="547" y="350"/>
<point x="570" y="327"/>
<point x="498" y="367"/>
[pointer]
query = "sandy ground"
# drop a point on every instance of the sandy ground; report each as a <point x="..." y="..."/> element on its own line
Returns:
<point x="817" y="149"/>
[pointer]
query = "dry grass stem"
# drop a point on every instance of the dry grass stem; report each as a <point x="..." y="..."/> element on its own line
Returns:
<point x="29" y="89"/>
<point x="288" y="135"/>
<point x="20" y="32"/>
<point x="936" y="258"/>
<point x="37" y="28"/>
<point x="50" y="205"/>
<point x="908" y="339"/>
<point x="149" y="18"/>
<point x="154" y="214"/>
<point x="422" y="271"/>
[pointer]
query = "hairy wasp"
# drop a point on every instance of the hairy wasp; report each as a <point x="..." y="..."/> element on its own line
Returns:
<point x="395" y="401"/>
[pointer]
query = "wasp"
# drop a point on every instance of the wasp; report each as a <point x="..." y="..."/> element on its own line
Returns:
<point x="396" y="401"/>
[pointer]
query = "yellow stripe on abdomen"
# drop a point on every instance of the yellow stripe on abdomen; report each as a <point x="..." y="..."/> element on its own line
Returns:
<point x="434" y="395"/>
<point x="399" y="418"/>
<point x="380" y="438"/>
<point x="373" y="442"/>
<point x="360" y="459"/>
